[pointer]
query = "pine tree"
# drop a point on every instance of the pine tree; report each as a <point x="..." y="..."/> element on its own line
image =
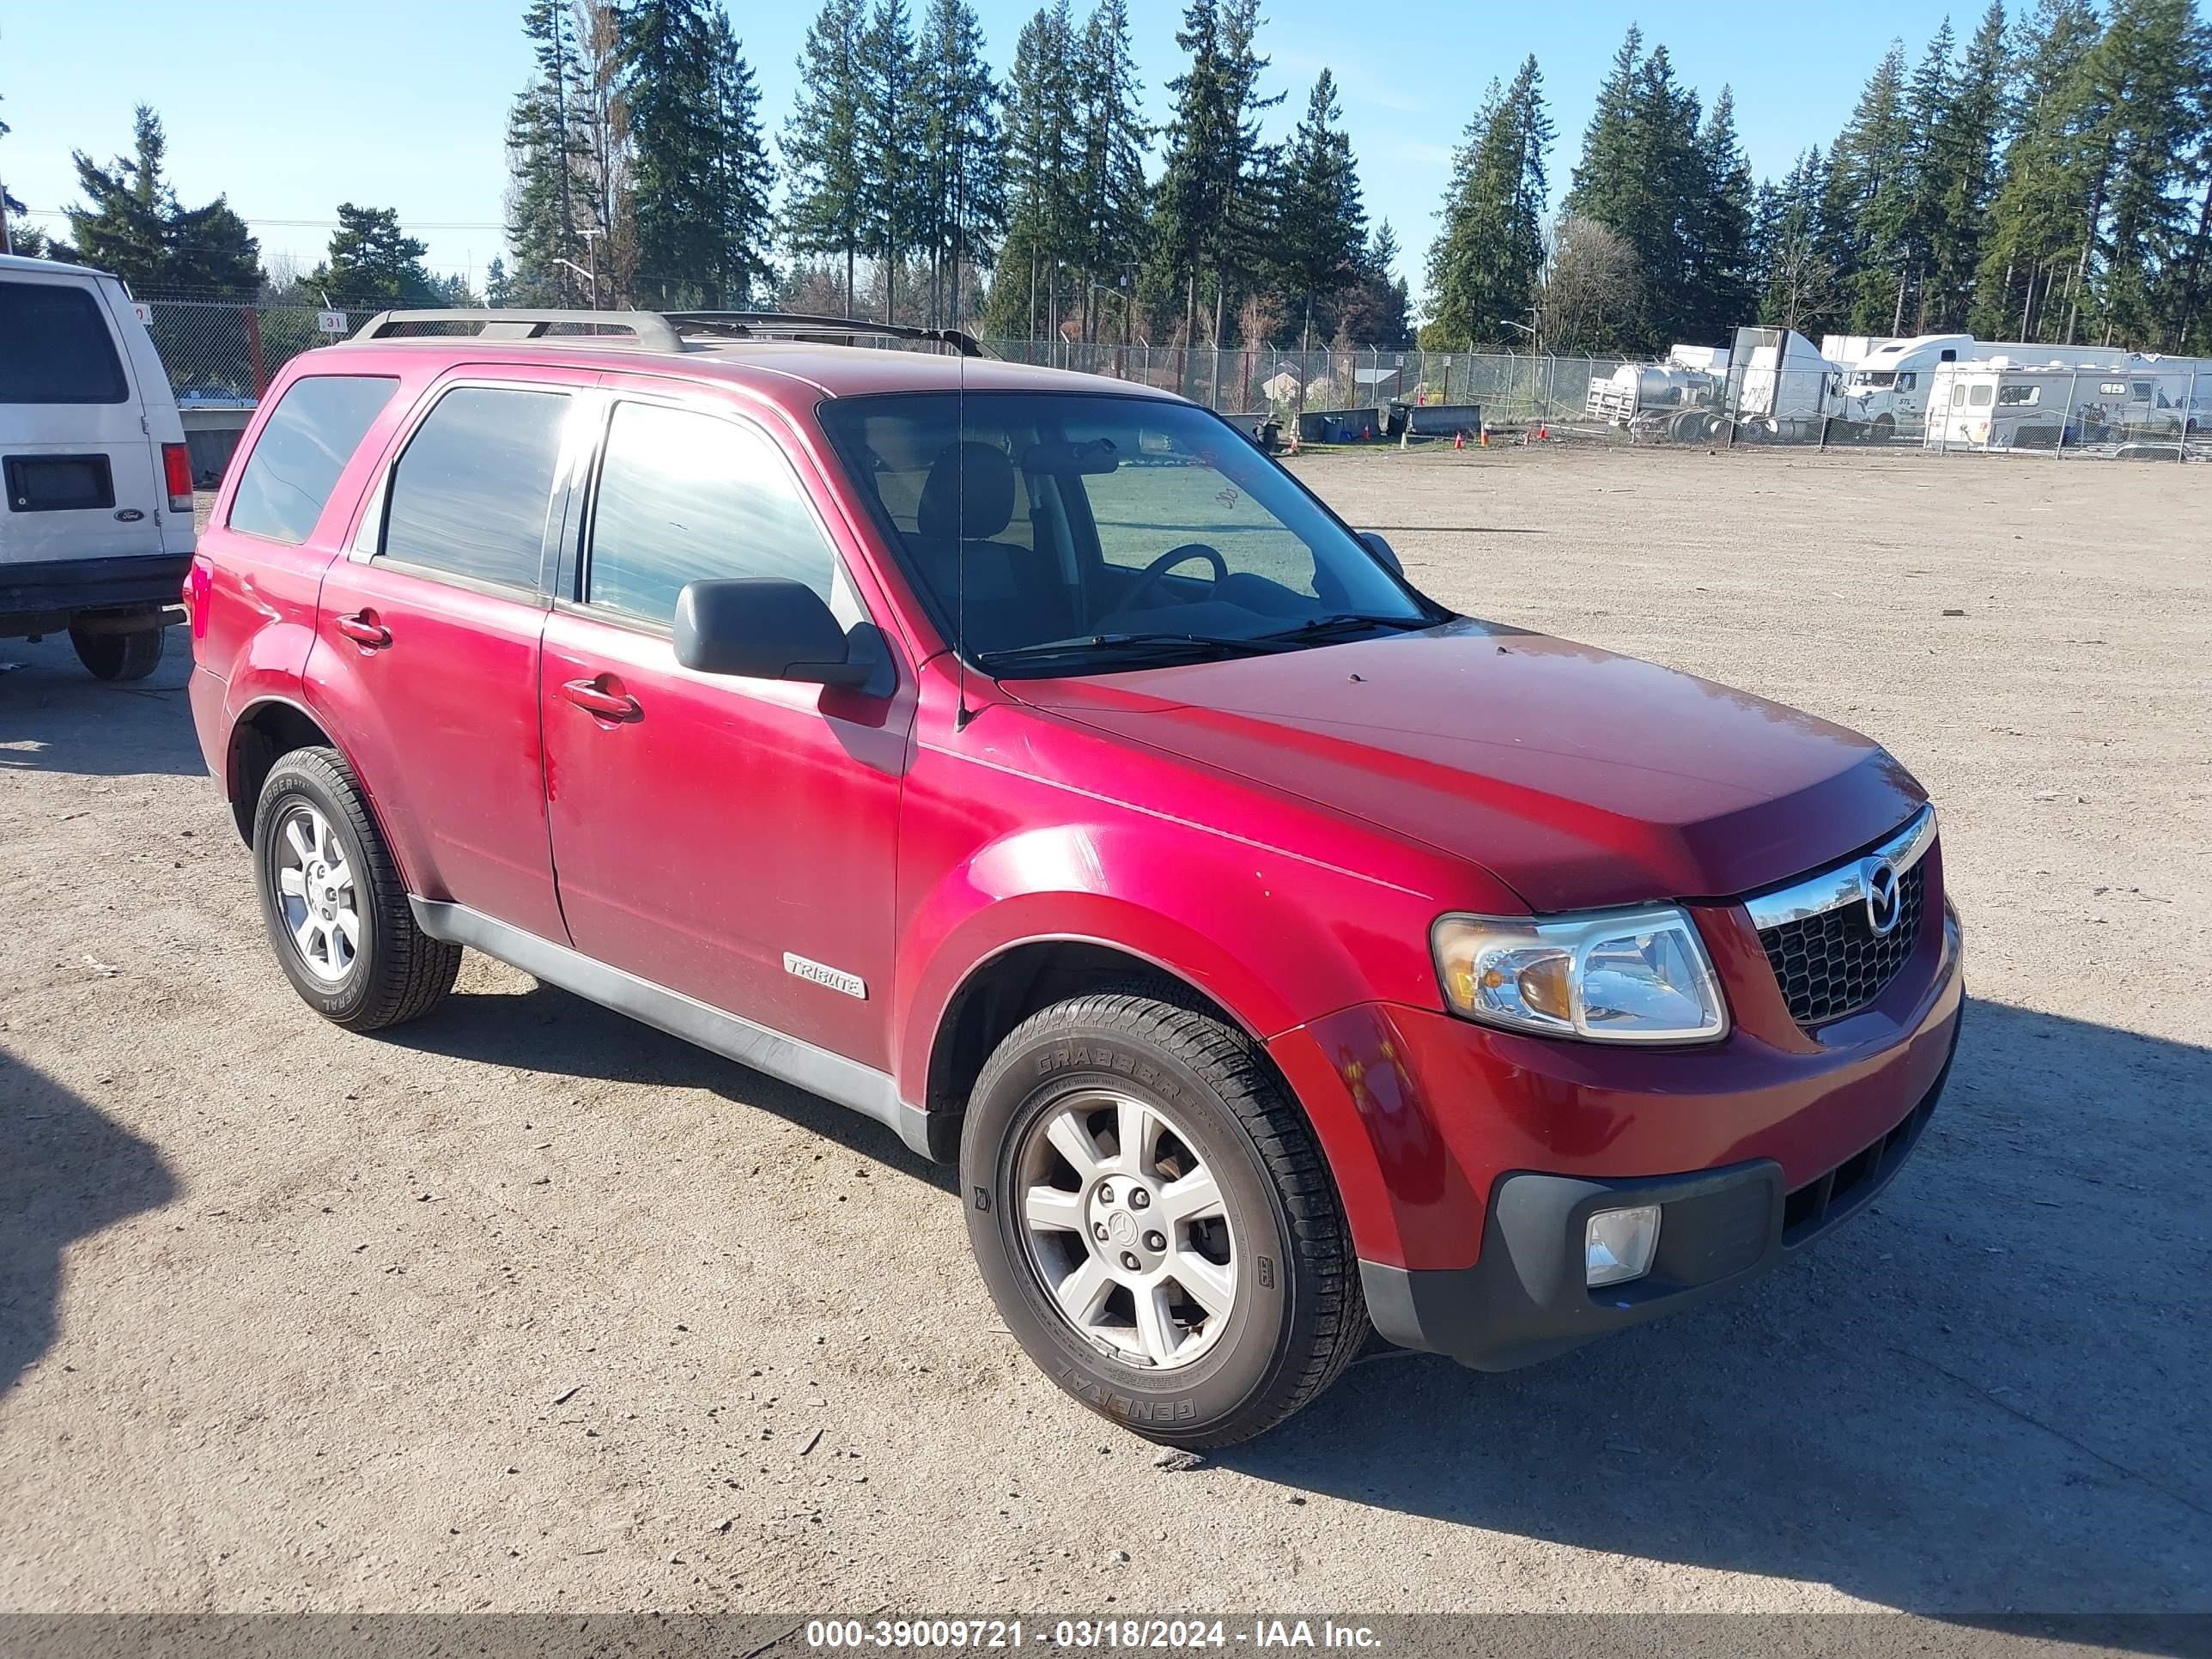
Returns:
<point x="542" y="143"/>
<point x="891" y="140"/>
<point x="1245" y="236"/>
<point x="1920" y="221"/>
<point x="134" y="226"/>
<point x="667" y="54"/>
<point x="1322" y="227"/>
<point x="371" y="259"/>
<point x="1964" y="158"/>
<point x="1722" y="277"/>
<point x="823" y="210"/>
<point x="1111" y="200"/>
<point x="1799" y="288"/>
<point x="1044" y="157"/>
<point x="1195" y="181"/>
<point x="739" y="174"/>
<point x="963" y="205"/>
<point x="2153" y="68"/>
<point x="2038" y="208"/>
<point x="1484" y="264"/>
<point x="1377" y="310"/>
<point x="1643" y="177"/>
<point x="1869" y="181"/>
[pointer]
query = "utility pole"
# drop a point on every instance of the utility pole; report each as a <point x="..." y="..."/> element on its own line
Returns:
<point x="7" y="244"/>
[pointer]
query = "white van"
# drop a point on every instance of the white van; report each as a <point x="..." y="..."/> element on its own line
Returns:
<point x="96" y="518"/>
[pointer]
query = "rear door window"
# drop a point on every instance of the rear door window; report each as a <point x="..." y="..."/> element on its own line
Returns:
<point x="54" y="347"/>
<point x="469" y="497"/>
<point x="304" y="446"/>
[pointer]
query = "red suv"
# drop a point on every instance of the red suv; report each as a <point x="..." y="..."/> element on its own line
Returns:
<point x="1027" y="762"/>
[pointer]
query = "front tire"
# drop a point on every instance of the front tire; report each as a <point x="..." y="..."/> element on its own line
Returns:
<point x="119" y="657"/>
<point x="1155" y="1223"/>
<point x="335" y="907"/>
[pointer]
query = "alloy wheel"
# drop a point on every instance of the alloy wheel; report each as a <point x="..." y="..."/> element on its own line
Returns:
<point x="316" y="894"/>
<point x="1126" y="1230"/>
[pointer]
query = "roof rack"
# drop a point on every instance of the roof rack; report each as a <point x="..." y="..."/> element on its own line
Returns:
<point x="769" y="324"/>
<point x="650" y="328"/>
<point x="656" y="330"/>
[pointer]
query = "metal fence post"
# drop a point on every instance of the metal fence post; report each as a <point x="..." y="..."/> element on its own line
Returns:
<point x="2188" y="414"/>
<point x="2073" y="390"/>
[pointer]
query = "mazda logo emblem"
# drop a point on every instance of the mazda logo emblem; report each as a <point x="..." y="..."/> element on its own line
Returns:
<point x="1884" y="901"/>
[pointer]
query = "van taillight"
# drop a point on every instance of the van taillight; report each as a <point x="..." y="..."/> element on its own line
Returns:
<point x="177" y="465"/>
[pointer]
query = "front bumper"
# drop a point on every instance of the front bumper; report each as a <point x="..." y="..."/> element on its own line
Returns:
<point x="1524" y="1299"/>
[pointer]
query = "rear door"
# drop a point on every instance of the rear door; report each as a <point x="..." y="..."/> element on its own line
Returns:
<point x="428" y="638"/>
<point x="81" y="475"/>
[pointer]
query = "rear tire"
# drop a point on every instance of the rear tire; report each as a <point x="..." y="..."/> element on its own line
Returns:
<point x="1155" y="1223"/>
<point x="332" y="900"/>
<point x="129" y="656"/>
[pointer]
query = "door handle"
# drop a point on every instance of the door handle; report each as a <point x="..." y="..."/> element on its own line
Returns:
<point x="364" y="630"/>
<point x="607" y="705"/>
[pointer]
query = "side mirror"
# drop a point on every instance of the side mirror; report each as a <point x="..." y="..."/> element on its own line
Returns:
<point x="1382" y="551"/>
<point x="765" y="628"/>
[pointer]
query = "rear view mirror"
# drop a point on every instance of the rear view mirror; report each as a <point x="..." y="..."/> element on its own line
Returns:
<point x="1382" y="551"/>
<point x="765" y="628"/>
<point x="1093" y="459"/>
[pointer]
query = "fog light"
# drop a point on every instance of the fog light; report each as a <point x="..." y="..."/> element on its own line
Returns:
<point x="1618" y="1245"/>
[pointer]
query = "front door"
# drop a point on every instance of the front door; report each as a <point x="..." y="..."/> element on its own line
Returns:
<point x="427" y="644"/>
<point x="732" y="839"/>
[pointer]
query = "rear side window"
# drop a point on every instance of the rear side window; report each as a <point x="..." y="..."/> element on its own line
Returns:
<point x="470" y="496"/>
<point x="686" y="497"/>
<point x="296" y="463"/>
<point x="54" y="347"/>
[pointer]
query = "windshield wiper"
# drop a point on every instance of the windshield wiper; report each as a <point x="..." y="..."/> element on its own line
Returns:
<point x="1075" y="645"/>
<point x="1324" y="627"/>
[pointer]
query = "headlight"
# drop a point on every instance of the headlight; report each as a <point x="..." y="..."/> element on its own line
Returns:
<point x="1617" y="975"/>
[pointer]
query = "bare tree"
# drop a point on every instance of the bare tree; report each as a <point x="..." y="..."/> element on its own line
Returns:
<point x="1587" y="293"/>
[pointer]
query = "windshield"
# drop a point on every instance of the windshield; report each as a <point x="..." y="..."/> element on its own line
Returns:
<point x="1874" y="377"/>
<point x="1091" y="533"/>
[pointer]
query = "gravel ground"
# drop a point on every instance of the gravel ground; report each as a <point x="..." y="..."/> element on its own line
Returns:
<point x="528" y="1307"/>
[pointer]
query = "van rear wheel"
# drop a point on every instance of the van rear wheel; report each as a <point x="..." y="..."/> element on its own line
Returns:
<point x="131" y="656"/>
<point x="1154" y="1221"/>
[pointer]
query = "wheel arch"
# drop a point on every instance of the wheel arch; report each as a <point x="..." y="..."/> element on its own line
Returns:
<point x="1021" y="976"/>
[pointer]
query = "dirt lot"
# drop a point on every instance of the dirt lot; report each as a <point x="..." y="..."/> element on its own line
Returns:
<point x="527" y="1307"/>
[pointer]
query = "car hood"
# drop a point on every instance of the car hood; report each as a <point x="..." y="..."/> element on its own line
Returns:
<point x="1577" y="777"/>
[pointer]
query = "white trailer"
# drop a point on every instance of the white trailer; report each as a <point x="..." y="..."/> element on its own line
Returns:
<point x="2000" y="404"/>
<point x="1888" y="391"/>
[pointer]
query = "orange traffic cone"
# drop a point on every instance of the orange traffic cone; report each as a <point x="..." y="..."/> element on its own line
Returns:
<point x="1543" y="432"/>
<point x="1459" y="439"/>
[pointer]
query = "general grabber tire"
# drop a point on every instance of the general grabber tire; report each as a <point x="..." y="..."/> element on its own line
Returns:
<point x="333" y="902"/>
<point x="1154" y="1221"/>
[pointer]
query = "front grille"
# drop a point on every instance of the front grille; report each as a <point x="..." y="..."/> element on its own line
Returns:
<point x="1834" y="962"/>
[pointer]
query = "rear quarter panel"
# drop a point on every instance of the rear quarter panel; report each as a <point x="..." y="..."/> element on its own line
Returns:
<point x="252" y="635"/>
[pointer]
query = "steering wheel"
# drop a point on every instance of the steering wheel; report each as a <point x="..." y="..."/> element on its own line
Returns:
<point x="1167" y="562"/>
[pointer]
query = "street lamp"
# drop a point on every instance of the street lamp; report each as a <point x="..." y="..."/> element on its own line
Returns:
<point x="590" y="277"/>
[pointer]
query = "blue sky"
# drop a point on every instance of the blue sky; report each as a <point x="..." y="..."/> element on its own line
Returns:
<point x="291" y="115"/>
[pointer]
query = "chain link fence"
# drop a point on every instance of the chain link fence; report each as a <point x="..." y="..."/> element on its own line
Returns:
<point x="222" y="354"/>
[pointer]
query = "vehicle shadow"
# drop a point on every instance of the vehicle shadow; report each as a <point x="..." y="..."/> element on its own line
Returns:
<point x="67" y="1171"/>
<point x="549" y="1030"/>
<point x="54" y="717"/>
<point x="1972" y="1401"/>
